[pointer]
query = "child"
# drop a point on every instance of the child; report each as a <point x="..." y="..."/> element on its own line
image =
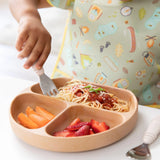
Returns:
<point x="112" y="42"/>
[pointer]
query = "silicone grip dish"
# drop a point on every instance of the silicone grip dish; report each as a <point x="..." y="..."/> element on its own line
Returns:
<point x="120" y="123"/>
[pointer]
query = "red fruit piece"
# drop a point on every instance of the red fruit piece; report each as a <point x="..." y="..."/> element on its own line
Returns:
<point x="64" y="133"/>
<point x="84" y="130"/>
<point x="77" y="126"/>
<point x="75" y="121"/>
<point x="98" y="126"/>
<point x="91" y="131"/>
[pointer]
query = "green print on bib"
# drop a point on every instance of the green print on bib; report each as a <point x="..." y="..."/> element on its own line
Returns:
<point x="154" y="20"/>
<point x="55" y="2"/>
<point x="147" y="94"/>
<point x="105" y="30"/>
<point x="94" y="13"/>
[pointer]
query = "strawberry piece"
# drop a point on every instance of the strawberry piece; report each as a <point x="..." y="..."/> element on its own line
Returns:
<point x="64" y="133"/>
<point x="75" y="121"/>
<point x="104" y="125"/>
<point x="98" y="126"/>
<point x="91" y="131"/>
<point x="77" y="126"/>
<point x="84" y="130"/>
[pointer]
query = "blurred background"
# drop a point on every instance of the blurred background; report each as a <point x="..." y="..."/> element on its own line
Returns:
<point x="54" y="20"/>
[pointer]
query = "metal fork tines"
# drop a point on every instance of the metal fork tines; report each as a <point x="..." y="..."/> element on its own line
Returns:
<point x="46" y="84"/>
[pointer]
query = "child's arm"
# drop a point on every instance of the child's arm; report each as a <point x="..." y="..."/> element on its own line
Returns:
<point x="33" y="41"/>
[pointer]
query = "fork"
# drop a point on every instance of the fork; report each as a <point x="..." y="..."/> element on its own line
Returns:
<point x="46" y="84"/>
<point x="142" y="151"/>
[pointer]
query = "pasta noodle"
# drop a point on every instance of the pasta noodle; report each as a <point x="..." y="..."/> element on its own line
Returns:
<point x="84" y="93"/>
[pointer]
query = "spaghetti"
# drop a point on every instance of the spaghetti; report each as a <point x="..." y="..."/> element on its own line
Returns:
<point x="84" y="93"/>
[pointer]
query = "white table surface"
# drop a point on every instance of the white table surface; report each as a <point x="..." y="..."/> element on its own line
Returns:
<point x="12" y="147"/>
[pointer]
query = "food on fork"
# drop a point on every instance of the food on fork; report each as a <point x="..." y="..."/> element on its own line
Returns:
<point x="91" y="95"/>
<point x="35" y="118"/>
<point x="81" y="128"/>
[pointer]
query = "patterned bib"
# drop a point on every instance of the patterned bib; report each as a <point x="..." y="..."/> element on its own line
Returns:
<point x="113" y="42"/>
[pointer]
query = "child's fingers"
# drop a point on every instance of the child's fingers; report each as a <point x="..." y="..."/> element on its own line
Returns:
<point x="22" y="37"/>
<point x="27" y="49"/>
<point x="43" y="56"/>
<point x="35" y="54"/>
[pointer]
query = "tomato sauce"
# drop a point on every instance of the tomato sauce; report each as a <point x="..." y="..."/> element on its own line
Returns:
<point x="105" y="99"/>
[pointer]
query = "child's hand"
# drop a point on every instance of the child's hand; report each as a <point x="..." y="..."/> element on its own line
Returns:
<point x="33" y="42"/>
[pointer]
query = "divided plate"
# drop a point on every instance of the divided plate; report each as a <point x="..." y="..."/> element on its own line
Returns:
<point x="121" y="123"/>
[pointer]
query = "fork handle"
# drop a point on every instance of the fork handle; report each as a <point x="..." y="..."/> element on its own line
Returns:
<point x="38" y="71"/>
<point x="152" y="131"/>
